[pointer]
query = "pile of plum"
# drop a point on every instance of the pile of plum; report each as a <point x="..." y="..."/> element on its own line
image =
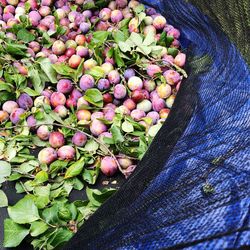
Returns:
<point x="132" y="82"/>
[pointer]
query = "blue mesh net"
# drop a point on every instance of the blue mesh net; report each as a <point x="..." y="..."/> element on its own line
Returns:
<point x="193" y="194"/>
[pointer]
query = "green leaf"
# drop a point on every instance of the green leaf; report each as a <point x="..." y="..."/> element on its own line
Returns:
<point x="136" y="39"/>
<point x="173" y="52"/>
<point x="118" y="59"/>
<point x="91" y="146"/>
<point x="154" y="130"/>
<point x="5" y="170"/>
<point x="146" y="50"/>
<point x="116" y="134"/>
<point x="26" y="167"/>
<point x="119" y="36"/>
<point x="61" y="236"/>
<point x="94" y="96"/>
<point x="25" y="36"/>
<point x="91" y="175"/>
<point x="75" y="169"/>
<point x="97" y="72"/>
<point x="36" y="80"/>
<point x="42" y="196"/>
<point x="50" y="214"/>
<point x="127" y="127"/>
<point x="100" y="36"/>
<point x="124" y="24"/>
<point x="17" y="49"/>
<point x="3" y="199"/>
<point x="47" y="68"/>
<point x="37" y="228"/>
<point x="63" y="69"/>
<point x="139" y="8"/>
<point x="30" y="92"/>
<point x="124" y="47"/>
<point x="150" y="38"/>
<point x="57" y="165"/>
<point x="98" y="197"/>
<point x="13" y="233"/>
<point x="24" y="211"/>
<point x="41" y="177"/>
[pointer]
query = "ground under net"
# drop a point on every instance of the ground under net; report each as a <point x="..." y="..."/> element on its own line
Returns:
<point x="191" y="190"/>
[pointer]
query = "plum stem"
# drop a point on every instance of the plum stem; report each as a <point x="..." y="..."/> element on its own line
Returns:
<point x="78" y="130"/>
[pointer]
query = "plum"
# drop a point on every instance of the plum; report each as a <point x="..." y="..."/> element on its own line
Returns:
<point x="56" y="139"/>
<point x="164" y="113"/>
<point x="128" y="73"/>
<point x="47" y="93"/>
<point x="164" y="91"/>
<point x="148" y="20"/>
<point x="125" y="162"/>
<point x="153" y="69"/>
<point x="89" y="64"/>
<point x="149" y="85"/>
<point x="154" y="116"/>
<point x="137" y="114"/>
<point x="70" y="44"/>
<point x="97" y="127"/>
<point x="76" y="94"/>
<point x="64" y="86"/>
<point x="134" y="25"/>
<point x="120" y="91"/>
<point x="134" y="83"/>
<point x="107" y="98"/>
<point x="80" y="39"/>
<point x="114" y="77"/>
<point x="170" y="101"/>
<point x="105" y="14"/>
<point x="15" y="115"/>
<point x="116" y="16"/>
<point x="180" y="59"/>
<point x="13" y="2"/>
<point x="130" y="104"/>
<point x="66" y="153"/>
<point x="25" y="101"/>
<point x="133" y="3"/>
<point x="139" y="94"/>
<point x="4" y="116"/>
<point x="97" y="115"/>
<point x="60" y="13"/>
<point x="82" y="51"/>
<point x="43" y="132"/>
<point x="112" y="5"/>
<point x="121" y="3"/>
<point x="150" y="11"/>
<point x="46" y="2"/>
<point x="31" y="122"/>
<point x="79" y="139"/>
<point x="57" y="99"/>
<point x="35" y="46"/>
<point x="70" y="52"/>
<point x="71" y="102"/>
<point x="109" y="115"/>
<point x="87" y="14"/>
<point x="47" y="156"/>
<point x="107" y="67"/>
<point x="82" y="103"/>
<point x="174" y="33"/>
<point x="58" y="48"/>
<point x="44" y="11"/>
<point x="103" y="84"/>
<point x="83" y="115"/>
<point x="149" y="29"/>
<point x="159" y="22"/>
<point x="158" y="104"/>
<point x="10" y="106"/>
<point x="40" y="101"/>
<point x="84" y="27"/>
<point x="108" y="166"/>
<point x="74" y="61"/>
<point x="172" y="77"/>
<point x="61" y="110"/>
<point x="87" y="82"/>
<point x="144" y="105"/>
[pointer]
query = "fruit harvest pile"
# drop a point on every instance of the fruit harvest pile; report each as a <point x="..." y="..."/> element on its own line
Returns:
<point x="84" y="88"/>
